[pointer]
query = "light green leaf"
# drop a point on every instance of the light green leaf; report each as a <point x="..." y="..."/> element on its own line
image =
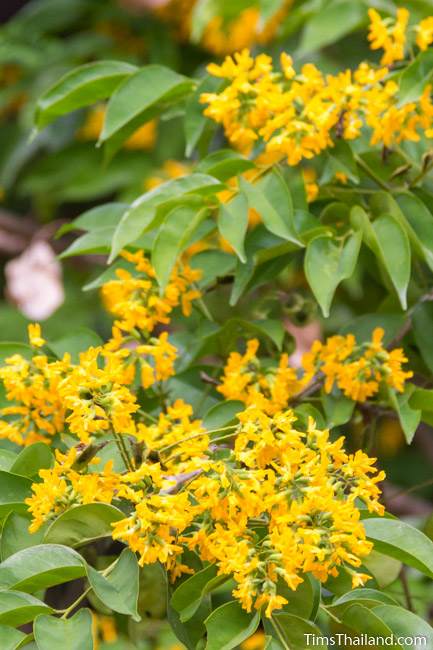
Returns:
<point x="82" y="86"/>
<point x="271" y="198"/>
<point x="197" y="126"/>
<point x="394" y="253"/>
<point x="97" y="241"/>
<point x="74" y="633"/>
<point x="224" y="164"/>
<point x="229" y="625"/>
<point x="419" y="222"/>
<point x="31" y="459"/>
<point x="213" y="264"/>
<point x="293" y="629"/>
<point x="10" y="638"/>
<point x="118" y="590"/>
<point x="327" y="263"/>
<point x="140" y="97"/>
<point x="172" y="238"/>
<point x="13" y="490"/>
<point x="103" y="216"/>
<point x="409" y="417"/>
<point x="222" y="414"/>
<point x="402" y="542"/>
<point x="338" y="409"/>
<point x="82" y="524"/>
<point x="383" y="568"/>
<point x="415" y="78"/>
<point x="233" y="223"/>
<point x="368" y="598"/>
<point x="366" y="621"/>
<point x="39" y="567"/>
<point x="17" y="608"/>
<point x="143" y="213"/>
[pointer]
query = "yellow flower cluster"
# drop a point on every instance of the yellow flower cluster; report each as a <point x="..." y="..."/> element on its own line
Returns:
<point x="391" y="35"/>
<point x="297" y="115"/>
<point x="134" y="297"/>
<point x="282" y="504"/>
<point x="359" y="371"/>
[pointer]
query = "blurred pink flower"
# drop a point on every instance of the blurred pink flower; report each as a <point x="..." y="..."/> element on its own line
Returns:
<point x="304" y="338"/>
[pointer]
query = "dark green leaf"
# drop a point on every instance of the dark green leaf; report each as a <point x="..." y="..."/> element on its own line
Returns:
<point x="394" y="253"/>
<point x="81" y="87"/>
<point x="188" y="596"/>
<point x="415" y="77"/>
<point x="222" y="414"/>
<point x="74" y="633"/>
<point x="366" y="621"/>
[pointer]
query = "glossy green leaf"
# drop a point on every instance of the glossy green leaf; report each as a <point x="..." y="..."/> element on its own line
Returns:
<point x="229" y="625"/>
<point x="368" y="598"/>
<point x="80" y="87"/>
<point x="80" y="340"/>
<point x="172" y="238"/>
<point x="31" y="459"/>
<point x="271" y="198"/>
<point x="415" y="77"/>
<point x="233" y="223"/>
<point x="13" y="490"/>
<point x="119" y="589"/>
<point x="97" y="241"/>
<point x="402" y="542"/>
<point x="327" y="263"/>
<point x="142" y="214"/>
<point x="394" y="253"/>
<point x="17" y="608"/>
<point x="10" y="638"/>
<point x="39" y="567"/>
<point x="384" y="569"/>
<point x="419" y="222"/>
<point x="338" y="409"/>
<point x="16" y="536"/>
<point x="82" y="524"/>
<point x="142" y="96"/>
<point x="103" y="216"/>
<point x="74" y="633"/>
<point x="222" y="414"/>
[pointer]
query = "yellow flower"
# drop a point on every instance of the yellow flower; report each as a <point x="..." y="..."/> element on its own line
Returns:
<point x="424" y="33"/>
<point x="142" y="139"/>
<point x="35" y="336"/>
<point x="388" y="35"/>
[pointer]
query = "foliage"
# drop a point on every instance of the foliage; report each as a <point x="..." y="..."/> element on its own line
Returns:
<point x="193" y="461"/>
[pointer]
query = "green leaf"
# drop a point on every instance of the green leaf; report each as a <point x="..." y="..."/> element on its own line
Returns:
<point x="419" y="222"/>
<point x="172" y="238"/>
<point x="119" y="590"/>
<point x="368" y="598"/>
<point x="222" y="414"/>
<point x="338" y="409"/>
<point x="402" y="542"/>
<point x="9" y="349"/>
<point x="16" y="536"/>
<point x="141" y="97"/>
<point x="7" y="459"/>
<point x="405" y="624"/>
<point x="233" y="223"/>
<point x="103" y="216"/>
<point x="293" y="629"/>
<point x="388" y="241"/>
<point x="224" y="164"/>
<point x="422" y="326"/>
<point x="74" y="633"/>
<point x="82" y="86"/>
<point x="196" y="125"/>
<point x="33" y="458"/>
<point x="229" y="625"/>
<point x="17" y="608"/>
<point x="335" y="20"/>
<point x="82" y="524"/>
<point x="409" y="417"/>
<point x="340" y="159"/>
<point x="77" y="341"/>
<point x="142" y="215"/>
<point x="271" y="198"/>
<point x="394" y="253"/>
<point x="10" y="638"/>
<point x="13" y="490"/>
<point x="188" y="596"/>
<point x="97" y="241"/>
<point x="39" y="567"/>
<point x="213" y="264"/>
<point x="366" y="621"/>
<point x="327" y="263"/>
<point x="415" y="78"/>
<point x="383" y="568"/>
